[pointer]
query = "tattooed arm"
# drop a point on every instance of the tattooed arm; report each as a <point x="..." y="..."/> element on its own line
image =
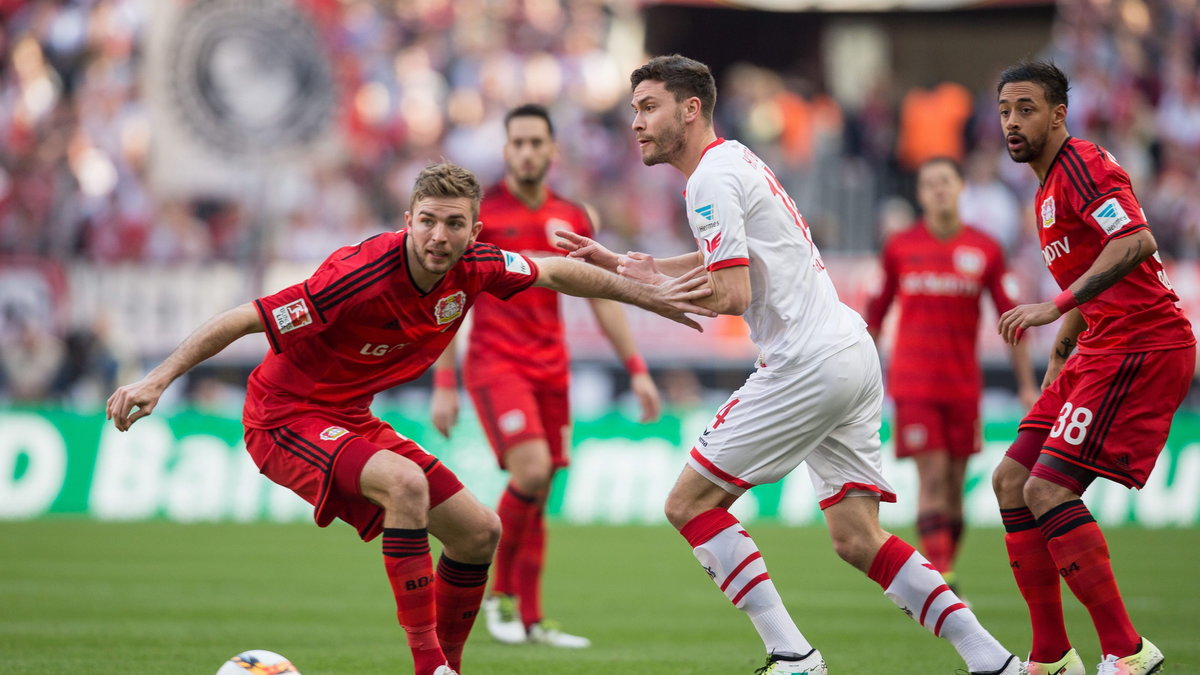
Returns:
<point x="1116" y="260"/>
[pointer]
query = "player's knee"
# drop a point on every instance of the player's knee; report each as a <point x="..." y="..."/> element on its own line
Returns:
<point x="406" y="488"/>
<point x="1008" y="482"/>
<point x="852" y="547"/>
<point x="482" y="540"/>
<point x="678" y="511"/>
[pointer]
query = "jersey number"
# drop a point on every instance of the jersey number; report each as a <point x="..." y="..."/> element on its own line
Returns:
<point x="790" y="205"/>
<point x="723" y="412"/>
<point x="1072" y="424"/>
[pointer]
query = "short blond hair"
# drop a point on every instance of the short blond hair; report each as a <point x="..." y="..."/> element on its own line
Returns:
<point x="447" y="180"/>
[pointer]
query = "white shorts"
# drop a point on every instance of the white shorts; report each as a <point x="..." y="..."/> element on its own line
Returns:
<point x="827" y="415"/>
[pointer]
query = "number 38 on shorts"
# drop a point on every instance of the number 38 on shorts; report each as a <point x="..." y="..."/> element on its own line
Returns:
<point x="1072" y="423"/>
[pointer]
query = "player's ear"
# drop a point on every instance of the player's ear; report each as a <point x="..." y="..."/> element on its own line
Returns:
<point x="475" y="230"/>
<point x="408" y="219"/>
<point x="691" y="109"/>
<point x="1058" y="116"/>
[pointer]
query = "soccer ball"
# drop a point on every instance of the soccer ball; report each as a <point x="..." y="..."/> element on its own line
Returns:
<point x="257" y="662"/>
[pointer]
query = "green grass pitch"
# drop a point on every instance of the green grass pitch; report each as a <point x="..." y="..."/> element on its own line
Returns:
<point x="84" y="597"/>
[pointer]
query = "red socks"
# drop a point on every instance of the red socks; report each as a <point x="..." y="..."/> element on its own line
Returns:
<point x="514" y="509"/>
<point x="459" y="592"/>
<point x="522" y="552"/>
<point x="1081" y="554"/>
<point x="410" y="571"/>
<point x="937" y="540"/>
<point x="1037" y="579"/>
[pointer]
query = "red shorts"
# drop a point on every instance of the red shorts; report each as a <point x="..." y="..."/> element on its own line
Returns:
<point x="924" y="426"/>
<point x="321" y="459"/>
<point x="513" y="409"/>
<point x="1110" y="414"/>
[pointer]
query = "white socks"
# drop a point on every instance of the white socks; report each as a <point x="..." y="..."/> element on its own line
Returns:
<point x="733" y="561"/>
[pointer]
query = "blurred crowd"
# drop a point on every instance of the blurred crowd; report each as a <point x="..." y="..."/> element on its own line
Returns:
<point x="419" y="81"/>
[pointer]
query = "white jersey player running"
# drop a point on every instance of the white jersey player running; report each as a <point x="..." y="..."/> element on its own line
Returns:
<point x="816" y="396"/>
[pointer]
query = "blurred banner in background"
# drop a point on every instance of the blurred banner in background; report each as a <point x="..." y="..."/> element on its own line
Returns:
<point x="192" y="467"/>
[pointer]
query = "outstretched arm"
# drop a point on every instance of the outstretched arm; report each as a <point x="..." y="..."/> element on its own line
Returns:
<point x="673" y="299"/>
<point x="209" y="339"/>
<point x="1117" y="259"/>
<point x="611" y="317"/>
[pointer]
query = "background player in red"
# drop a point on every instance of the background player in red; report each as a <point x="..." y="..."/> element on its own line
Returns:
<point x="940" y="269"/>
<point x="1104" y="412"/>
<point x="371" y="317"/>
<point x="517" y="372"/>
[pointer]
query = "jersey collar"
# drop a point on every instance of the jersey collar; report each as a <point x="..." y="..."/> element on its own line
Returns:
<point x="1054" y="162"/>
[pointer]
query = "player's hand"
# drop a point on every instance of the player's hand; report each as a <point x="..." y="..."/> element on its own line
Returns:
<point x="1015" y="321"/>
<point x="1029" y="395"/>
<point x="640" y="267"/>
<point x="674" y="298"/>
<point x="588" y="250"/>
<point x="647" y="394"/>
<point x="132" y="402"/>
<point x="444" y="409"/>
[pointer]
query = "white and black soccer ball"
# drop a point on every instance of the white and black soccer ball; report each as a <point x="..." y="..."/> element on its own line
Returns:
<point x="257" y="662"/>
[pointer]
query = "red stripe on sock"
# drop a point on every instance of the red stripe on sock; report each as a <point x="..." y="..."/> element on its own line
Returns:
<point x="929" y="601"/>
<point x="746" y="589"/>
<point x="706" y="526"/>
<point x="741" y="566"/>
<point x="937" y="630"/>
<point x="888" y="561"/>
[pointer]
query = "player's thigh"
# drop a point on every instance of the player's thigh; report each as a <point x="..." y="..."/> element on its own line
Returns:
<point x="508" y="412"/>
<point x="1115" y="419"/>
<point x="467" y="529"/>
<point x="961" y="429"/>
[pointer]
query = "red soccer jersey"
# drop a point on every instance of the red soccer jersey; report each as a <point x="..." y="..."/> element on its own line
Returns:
<point x="1085" y="202"/>
<point x="525" y="333"/>
<point x="359" y="325"/>
<point x="939" y="284"/>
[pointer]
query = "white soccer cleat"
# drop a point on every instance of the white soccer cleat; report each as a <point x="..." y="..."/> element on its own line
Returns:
<point x="500" y="615"/>
<point x="1149" y="659"/>
<point x="1069" y="664"/>
<point x="809" y="664"/>
<point x="445" y="670"/>
<point x="1013" y="666"/>
<point x="544" y="633"/>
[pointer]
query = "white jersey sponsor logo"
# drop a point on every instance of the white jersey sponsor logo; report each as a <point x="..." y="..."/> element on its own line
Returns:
<point x="291" y="316"/>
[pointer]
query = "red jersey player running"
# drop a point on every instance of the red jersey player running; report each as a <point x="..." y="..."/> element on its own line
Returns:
<point x="940" y="269"/>
<point x="1104" y="412"/>
<point x="371" y="317"/>
<point x="517" y="374"/>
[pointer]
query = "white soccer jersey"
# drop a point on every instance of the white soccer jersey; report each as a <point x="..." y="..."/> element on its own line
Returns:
<point x="740" y="214"/>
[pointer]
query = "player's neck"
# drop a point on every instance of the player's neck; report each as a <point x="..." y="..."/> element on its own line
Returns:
<point x="699" y="139"/>
<point x="1054" y="143"/>
<point x="943" y="227"/>
<point x="532" y="195"/>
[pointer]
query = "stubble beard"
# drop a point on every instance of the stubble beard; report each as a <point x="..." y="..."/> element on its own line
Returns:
<point x="669" y="144"/>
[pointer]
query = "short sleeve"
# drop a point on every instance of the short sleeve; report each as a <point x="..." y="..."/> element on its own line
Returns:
<point x="717" y="218"/>
<point x="502" y="273"/>
<point x="1107" y="194"/>
<point x="304" y="310"/>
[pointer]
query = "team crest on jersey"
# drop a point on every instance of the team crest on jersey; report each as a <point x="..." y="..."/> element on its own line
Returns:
<point x="333" y="433"/>
<point x="969" y="261"/>
<point x="291" y="316"/>
<point x="1110" y="216"/>
<point x="1048" y="211"/>
<point x="450" y="307"/>
<point x="515" y="263"/>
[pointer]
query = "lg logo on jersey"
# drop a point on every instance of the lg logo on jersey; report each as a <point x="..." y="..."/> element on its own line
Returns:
<point x="370" y="349"/>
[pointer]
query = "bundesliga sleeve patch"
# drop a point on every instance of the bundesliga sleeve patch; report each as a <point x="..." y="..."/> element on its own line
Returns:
<point x="516" y="263"/>
<point x="291" y="316"/>
<point x="1110" y="216"/>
